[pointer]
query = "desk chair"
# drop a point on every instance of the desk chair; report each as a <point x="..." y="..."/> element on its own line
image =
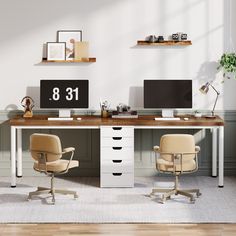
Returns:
<point x="47" y="152"/>
<point x="177" y="155"/>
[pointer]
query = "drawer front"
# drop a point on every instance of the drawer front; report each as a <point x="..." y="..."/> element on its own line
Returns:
<point x="117" y="142"/>
<point x="117" y="166"/>
<point x="117" y="131"/>
<point x="117" y="180"/>
<point x="117" y="153"/>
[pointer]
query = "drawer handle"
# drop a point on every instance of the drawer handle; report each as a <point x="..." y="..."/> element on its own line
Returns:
<point x="117" y="138"/>
<point x="117" y="128"/>
<point x="116" y="148"/>
<point x="117" y="174"/>
<point x="117" y="161"/>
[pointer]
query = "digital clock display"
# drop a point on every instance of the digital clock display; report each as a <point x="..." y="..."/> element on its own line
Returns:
<point x="64" y="93"/>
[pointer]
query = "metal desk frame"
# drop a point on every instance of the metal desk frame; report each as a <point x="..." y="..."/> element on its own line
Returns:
<point x="217" y="145"/>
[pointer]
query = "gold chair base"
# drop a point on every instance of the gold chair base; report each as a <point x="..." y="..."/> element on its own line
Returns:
<point x="42" y="190"/>
<point x="168" y="192"/>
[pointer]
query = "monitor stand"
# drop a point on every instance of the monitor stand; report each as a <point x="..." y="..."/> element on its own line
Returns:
<point x="167" y="113"/>
<point x="64" y="114"/>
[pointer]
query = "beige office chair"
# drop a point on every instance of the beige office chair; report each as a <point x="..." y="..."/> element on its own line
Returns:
<point x="178" y="155"/>
<point x="47" y="152"/>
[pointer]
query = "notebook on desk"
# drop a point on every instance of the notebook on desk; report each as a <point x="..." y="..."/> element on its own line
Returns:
<point x="125" y="116"/>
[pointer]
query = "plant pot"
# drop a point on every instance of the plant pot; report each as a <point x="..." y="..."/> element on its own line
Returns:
<point x="104" y="114"/>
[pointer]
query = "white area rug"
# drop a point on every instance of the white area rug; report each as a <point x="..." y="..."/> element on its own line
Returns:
<point x="122" y="205"/>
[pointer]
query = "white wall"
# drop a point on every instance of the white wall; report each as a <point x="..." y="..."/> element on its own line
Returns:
<point x="112" y="27"/>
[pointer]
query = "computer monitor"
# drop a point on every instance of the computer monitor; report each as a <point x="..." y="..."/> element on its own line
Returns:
<point x="64" y="95"/>
<point x="168" y="95"/>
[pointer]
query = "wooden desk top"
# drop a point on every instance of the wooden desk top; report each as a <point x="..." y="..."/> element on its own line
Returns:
<point x="143" y="120"/>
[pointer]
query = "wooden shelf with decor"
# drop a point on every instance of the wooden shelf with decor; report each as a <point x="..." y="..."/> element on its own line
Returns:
<point x="83" y="60"/>
<point x="165" y="43"/>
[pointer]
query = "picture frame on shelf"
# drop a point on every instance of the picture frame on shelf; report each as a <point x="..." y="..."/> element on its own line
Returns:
<point x="56" y="51"/>
<point x="69" y="37"/>
<point x="81" y="50"/>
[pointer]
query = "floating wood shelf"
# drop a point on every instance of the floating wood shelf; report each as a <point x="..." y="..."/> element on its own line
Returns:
<point x="165" y="43"/>
<point x="84" y="60"/>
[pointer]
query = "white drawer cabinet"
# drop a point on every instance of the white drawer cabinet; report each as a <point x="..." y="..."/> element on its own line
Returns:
<point x="117" y="166"/>
<point x="117" y="142"/>
<point x="117" y="180"/>
<point x="117" y="156"/>
<point x="117" y="131"/>
<point x="116" y="153"/>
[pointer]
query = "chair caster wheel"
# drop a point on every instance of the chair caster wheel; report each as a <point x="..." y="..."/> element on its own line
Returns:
<point x="192" y="200"/>
<point x="198" y="194"/>
<point x="151" y="195"/>
<point x="162" y="200"/>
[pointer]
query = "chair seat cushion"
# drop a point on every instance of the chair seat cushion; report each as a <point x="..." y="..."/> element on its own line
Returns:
<point x="57" y="166"/>
<point x="167" y="166"/>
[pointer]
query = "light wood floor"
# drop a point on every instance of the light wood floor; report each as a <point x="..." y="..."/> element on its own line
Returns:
<point x="118" y="229"/>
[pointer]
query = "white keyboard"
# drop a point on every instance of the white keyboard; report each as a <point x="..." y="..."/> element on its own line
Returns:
<point x="60" y="118"/>
<point x="167" y="118"/>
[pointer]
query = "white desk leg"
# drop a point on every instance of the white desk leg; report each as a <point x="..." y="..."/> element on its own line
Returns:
<point x="221" y="156"/>
<point x="19" y="153"/>
<point x="13" y="156"/>
<point x="214" y="152"/>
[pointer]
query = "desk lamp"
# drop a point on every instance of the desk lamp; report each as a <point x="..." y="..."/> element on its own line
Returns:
<point x="204" y="89"/>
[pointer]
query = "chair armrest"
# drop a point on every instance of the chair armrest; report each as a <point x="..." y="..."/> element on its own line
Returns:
<point x="197" y="149"/>
<point x="156" y="148"/>
<point x="66" y="150"/>
<point x="69" y="149"/>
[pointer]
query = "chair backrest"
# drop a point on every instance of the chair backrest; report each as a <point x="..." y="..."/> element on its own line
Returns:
<point x="177" y="143"/>
<point x="47" y="143"/>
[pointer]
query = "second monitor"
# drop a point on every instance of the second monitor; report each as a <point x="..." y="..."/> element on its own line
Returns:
<point x="168" y="95"/>
<point x="64" y="95"/>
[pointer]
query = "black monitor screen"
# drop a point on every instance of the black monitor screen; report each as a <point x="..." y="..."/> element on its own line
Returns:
<point x="167" y="94"/>
<point x="64" y="93"/>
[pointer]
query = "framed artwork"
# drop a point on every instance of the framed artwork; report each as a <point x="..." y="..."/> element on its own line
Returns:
<point x="56" y="51"/>
<point x="69" y="37"/>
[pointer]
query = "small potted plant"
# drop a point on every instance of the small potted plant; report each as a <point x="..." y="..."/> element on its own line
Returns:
<point x="197" y="114"/>
<point x="104" y="109"/>
<point x="227" y="64"/>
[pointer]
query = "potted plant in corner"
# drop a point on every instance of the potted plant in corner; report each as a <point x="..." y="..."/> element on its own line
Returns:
<point x="227" y="64"/>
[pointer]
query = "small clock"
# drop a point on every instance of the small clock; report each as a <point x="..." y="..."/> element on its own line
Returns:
<point x="184" y="36"/>
<point x="175" y="37"/>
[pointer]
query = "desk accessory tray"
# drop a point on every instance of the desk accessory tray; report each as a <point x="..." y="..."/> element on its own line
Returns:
<point x="125" y="114"/>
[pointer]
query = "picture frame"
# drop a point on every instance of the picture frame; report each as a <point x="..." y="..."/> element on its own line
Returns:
<point x="69" y="37"/>
<point x="56" y="51"/>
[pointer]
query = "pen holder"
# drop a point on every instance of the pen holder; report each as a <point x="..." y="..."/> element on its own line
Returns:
<point x="104" y="113"/>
